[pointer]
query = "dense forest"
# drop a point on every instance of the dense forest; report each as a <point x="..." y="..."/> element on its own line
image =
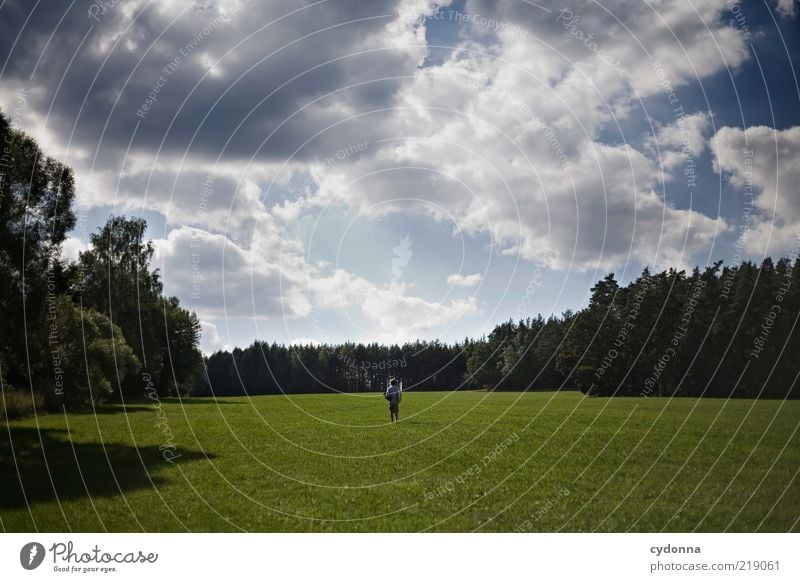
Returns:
<point x="719" y="332"/>
<point x="100" y="328"/>
<point x="514" y="356"/>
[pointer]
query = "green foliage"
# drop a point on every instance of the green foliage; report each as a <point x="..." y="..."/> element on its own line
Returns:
<point x="114" y="277"/>
<point x="183" y="362"/>
<point x="711" y="333"/>
<point x="264" y="368"/>
<point x="728" y="332"/>
<point x="87" y="348"/>
<point x="36" y="195"/>
<point x="93" y="354"/>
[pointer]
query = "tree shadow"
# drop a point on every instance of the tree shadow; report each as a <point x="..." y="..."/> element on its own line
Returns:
<point x="108" y="409"/>
<point x="205" y="400"/>
<point x="142" y="405"/>
<point x="77" y="470"/>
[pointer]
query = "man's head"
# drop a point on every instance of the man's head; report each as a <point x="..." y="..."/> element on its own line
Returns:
<point x="392" y="381"/>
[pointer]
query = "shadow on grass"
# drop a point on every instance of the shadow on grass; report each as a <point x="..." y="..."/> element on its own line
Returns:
<point x="106" y="409"/>
<point x="206" y="400"/>
<point x="78" y="470"/>
<point x="133" y="406"/>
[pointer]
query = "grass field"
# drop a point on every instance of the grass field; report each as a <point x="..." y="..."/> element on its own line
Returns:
<point x="456" y="462"/>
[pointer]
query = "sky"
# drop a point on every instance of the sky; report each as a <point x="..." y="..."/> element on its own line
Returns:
<point x="391" y="170"/>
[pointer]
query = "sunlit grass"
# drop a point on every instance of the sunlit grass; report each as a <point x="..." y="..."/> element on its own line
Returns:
<point x="455" y="462"/>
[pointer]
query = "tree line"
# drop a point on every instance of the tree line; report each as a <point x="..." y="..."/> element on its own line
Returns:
<point x="500" y="361"/>
<point x="723" y="331"/>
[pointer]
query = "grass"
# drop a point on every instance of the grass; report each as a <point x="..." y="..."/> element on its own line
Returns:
<point x="456" y="462"/>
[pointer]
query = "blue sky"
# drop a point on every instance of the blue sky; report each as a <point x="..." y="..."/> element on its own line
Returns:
<point x="496" y="178"/>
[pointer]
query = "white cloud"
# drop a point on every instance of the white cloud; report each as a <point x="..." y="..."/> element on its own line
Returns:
<point x="407" y="317"/>
<point x="339" y="290"/>
<point x="505" y="137"/>
<point x="210" y="339"/>
<point x="389" y="308"/>
<point x="72" y="247"/>
<point x="219" y="278"/>
<point x="601" y="209"/>
<point x="765" y="163"/>
<point x="501" y="138"/>
<point x="460" y="280"/>
<point x="786" y="8"/>
<point x="690" y="40"/>
<point x="491" y="128"/>
<point x="686" y="138"/>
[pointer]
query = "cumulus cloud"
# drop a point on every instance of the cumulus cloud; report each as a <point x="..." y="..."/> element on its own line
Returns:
<point x="501" y="137"/>
<point x="390" y="309"/>
<point x="506" y="138"/>
<point x="405" y="317"/>
<point x="599" y="207"/>
<point x="227" y="117"/>
<point x="459" y="280"/>
<point x="219" y="278"/>
<point x="211" y="340"/>
<point x="683" y="139"/>
<point x="72" y="247"/>
<point x="616" y="45"/>
<point x="158" y="93"/>
<point x="786" y="8"/>
<point x="765" y="164"/>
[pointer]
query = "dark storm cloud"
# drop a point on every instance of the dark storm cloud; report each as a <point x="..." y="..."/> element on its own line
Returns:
<point x="145" y="63"/>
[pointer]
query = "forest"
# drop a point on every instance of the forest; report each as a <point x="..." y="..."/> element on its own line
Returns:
<point x="722" y="331"/>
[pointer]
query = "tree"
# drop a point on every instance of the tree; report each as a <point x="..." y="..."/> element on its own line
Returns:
<point x="36" y="195"/>
<point x="93" y="354"/>
<point x="663" y="334"/>
<point x="588" y="354"/>
<point x="482" y="365"/>
<point x="183" y="363"/>
<point x="114" y="278"/>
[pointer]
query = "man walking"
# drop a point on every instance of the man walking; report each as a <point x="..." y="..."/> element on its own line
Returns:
<point x="394" y="393"/>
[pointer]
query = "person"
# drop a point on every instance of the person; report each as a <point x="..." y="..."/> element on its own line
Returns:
<point x="394" y="393"/>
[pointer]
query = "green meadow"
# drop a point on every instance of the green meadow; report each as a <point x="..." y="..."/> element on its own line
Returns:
<point x="456" y="461"/>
